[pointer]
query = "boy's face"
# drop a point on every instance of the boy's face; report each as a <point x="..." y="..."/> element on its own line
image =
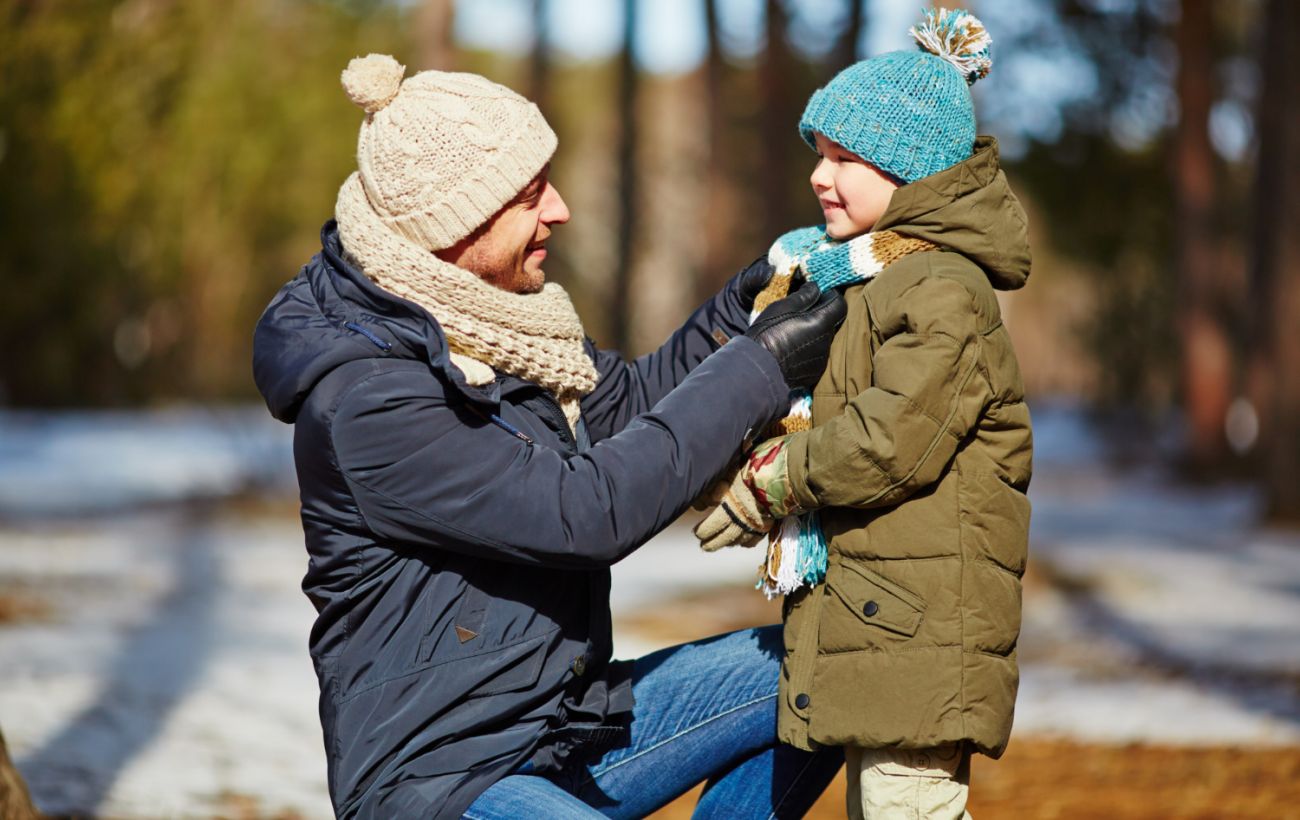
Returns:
<point x="853" y="194"/>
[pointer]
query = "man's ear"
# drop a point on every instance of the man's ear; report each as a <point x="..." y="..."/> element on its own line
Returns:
<point x="456" y="252"/>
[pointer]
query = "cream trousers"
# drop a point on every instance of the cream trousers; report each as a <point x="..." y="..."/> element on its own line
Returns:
<point x="908" y="784"/>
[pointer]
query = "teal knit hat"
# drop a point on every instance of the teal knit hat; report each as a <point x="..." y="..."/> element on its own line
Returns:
<point x="908" y="113"/>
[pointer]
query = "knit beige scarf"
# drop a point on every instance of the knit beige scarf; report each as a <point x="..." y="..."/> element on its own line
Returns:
<point x="537" y="337"/>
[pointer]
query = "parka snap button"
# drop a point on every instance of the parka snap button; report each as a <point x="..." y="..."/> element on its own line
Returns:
<point x="802" y="701"/>
<point x="579" y="665"/>
<point x="870" y="608"/>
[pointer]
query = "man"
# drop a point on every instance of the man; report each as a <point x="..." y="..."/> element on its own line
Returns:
<point x="470" y="466"/>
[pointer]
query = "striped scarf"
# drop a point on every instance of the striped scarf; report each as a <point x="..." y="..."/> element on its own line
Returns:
<point x="797" y="548"/>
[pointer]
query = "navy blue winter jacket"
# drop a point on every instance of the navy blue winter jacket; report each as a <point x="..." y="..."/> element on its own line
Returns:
<point x="460" y="538"/>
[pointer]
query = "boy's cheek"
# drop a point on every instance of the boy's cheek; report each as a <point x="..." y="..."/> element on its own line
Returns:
<point x="843" y="227"/>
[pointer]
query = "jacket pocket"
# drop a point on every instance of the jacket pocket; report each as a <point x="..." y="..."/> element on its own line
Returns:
<point x="510" y="668"/>
<point x="462" y="636"/>
<point x="486" y="672"/>
<point x="875" y="602"/>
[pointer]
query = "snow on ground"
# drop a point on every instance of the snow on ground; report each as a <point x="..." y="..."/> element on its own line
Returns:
<point x="158" y="667"/>
<point x="170" y="674"/>
<point x="670" y="564"/>
<point x="87" y="462"/>
<point x="1169" y="614"/>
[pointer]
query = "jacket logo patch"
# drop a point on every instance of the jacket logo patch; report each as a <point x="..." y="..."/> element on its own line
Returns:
<point x="465" y="634"/>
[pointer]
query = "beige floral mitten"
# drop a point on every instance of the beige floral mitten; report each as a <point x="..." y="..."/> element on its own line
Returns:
<point x="758" y="496"/>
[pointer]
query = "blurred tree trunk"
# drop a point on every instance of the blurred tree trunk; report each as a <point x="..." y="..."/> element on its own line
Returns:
<point x="15" y="802"/>
<point x="1275" y="268"/>
<point x="540" y="61"/>
<point x="1207" y="361"/>
<point x="434" y="25"/>
<point x="776" y="76"/>
<point x="627" y="182"/>
<point x="846" y="51"/>
<point x="720" y="253"/>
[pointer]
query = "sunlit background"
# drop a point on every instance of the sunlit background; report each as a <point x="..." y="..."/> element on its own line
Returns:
<point x="165" y="165"/>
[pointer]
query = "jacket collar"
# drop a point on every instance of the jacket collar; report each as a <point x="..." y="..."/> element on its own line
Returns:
<point x="411" y="330"/>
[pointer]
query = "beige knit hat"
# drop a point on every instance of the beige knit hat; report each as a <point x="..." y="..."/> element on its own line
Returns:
<point x="441" y="152"/>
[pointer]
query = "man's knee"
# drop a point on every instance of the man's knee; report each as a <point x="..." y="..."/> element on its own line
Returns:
<point x="753" y="653"/>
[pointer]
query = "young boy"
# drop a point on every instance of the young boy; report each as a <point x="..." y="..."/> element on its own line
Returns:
<point x="899" y="483"/>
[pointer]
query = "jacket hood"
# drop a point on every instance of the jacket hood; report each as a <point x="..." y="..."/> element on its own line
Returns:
<point x="970" y="209"/>
<point x="331" y="314"/>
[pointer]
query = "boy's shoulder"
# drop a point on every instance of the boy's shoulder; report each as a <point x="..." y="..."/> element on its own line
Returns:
<point x="913" y="281"/>
<point x="914" y="269"/>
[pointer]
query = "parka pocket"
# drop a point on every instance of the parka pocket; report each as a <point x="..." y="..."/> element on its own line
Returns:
<point x="489" y="671"/>
<point x="875" y="602"/>
<point x="461" y="636"/>
<point x="509" y="669"/>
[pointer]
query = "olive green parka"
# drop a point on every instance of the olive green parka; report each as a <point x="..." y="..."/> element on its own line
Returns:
<point x="918" y="460"/>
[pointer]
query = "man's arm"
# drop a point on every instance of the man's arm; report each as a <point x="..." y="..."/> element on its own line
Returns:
<point x="627" y="389"/>
<point x="426" y="474"/>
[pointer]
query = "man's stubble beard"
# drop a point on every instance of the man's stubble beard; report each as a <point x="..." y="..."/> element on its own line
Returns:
<point x="499" y="270"/>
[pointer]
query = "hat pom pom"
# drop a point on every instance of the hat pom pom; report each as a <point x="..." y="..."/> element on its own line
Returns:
<point x="958" y="37"/>
<point x="373" y="81"/>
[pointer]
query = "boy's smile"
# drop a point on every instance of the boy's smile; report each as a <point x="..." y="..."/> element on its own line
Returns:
<point x="852" y="192"/>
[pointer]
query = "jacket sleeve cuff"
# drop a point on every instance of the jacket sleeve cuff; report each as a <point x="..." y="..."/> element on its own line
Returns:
<point x="797" y="471"/>
<point x="768" y="369"/>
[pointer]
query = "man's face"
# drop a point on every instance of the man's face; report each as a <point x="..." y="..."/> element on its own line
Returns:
<point x="509" y="249"/>
<point x="852" y="192"/>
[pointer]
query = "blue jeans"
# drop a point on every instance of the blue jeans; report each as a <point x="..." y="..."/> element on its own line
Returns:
<point x="704" y="711"/>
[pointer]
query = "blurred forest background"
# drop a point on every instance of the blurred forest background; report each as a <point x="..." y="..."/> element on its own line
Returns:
<point x="167" y="165"/>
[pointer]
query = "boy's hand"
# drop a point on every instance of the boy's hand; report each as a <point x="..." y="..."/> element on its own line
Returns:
<point x="759" y="494"/>
<point x="736" y="521"/>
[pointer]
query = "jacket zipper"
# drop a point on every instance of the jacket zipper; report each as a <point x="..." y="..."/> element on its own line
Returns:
<point x="510" y="428"/>
<point x="566" y="435"/>
<point x="364" y="331"/>
<point x="553" y="409"/>
<point x="502" y="423"/>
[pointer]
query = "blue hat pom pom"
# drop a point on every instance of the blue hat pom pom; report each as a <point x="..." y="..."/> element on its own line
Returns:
<point x="958" y="37"/>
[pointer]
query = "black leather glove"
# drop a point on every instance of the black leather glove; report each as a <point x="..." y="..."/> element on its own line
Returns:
<point x="751" y="281"/>
<point x="798" y="330"/>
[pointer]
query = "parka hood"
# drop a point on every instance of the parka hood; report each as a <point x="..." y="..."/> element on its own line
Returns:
<point x="331" y="314"/>
<point x="970" y="209"/>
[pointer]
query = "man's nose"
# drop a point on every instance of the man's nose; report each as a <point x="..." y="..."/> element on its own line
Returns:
<point x="554" y="210"/>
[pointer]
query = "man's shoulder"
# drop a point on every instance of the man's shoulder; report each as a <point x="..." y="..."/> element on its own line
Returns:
<point x="369" y="385"/>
